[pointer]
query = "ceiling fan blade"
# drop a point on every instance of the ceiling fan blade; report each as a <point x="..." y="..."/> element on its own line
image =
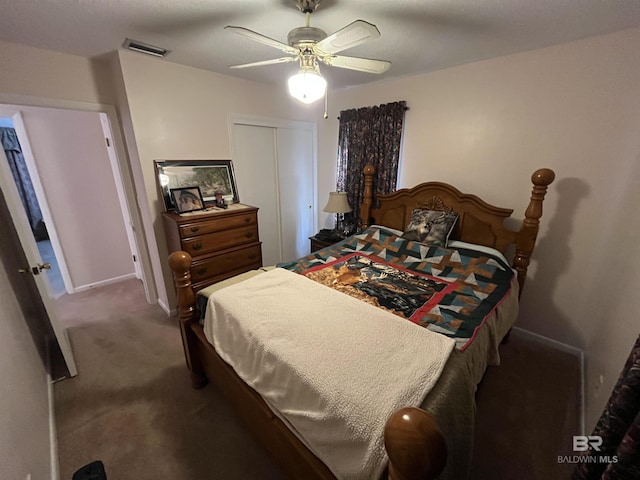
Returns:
<point x="258" y="37"/>
<point x="266" y="62"/>
<point x="355" y="63"/>
<point x="353" y="34"/>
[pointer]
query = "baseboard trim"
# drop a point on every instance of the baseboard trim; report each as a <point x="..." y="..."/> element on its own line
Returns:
<point x="53" y="432"/>
<point x="165" y="308"/>
<point x="103" y="283"/>
<point x="548" y="341"/>
<point x="565" y="348"/>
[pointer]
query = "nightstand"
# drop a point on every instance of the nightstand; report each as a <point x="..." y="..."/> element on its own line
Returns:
<point x="318" y="244"/>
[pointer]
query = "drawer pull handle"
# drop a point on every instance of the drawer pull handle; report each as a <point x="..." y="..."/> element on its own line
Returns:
<point x="252" y="256"/>
<point x="248" y="234"/>
<point x="201" y="271"/>
<point x="197" y="246"/>
<point x="247" y="219"/>
<point x="195" y="229"/>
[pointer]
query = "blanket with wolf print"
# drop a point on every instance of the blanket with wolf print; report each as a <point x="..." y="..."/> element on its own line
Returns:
<point x="446" y="290"/>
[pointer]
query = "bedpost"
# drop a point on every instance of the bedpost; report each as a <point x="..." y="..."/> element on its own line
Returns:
<point x="541" y="179"/>
<point x="180" y="264"/>
<point x="367" y="196"/>
<point x="415" y="445"/>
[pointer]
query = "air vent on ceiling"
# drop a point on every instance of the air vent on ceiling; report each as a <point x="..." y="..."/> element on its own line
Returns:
<point x="141" y="47"/>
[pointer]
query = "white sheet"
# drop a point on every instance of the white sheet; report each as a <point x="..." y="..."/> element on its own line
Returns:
<point x="323" y="361"/>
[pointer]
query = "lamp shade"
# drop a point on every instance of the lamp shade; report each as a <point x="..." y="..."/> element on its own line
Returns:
<point x="307" y="85"/>
<point x="337" y="203"/>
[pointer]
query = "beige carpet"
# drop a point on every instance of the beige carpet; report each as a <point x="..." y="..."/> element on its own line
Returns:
<point x="132" y="406"/>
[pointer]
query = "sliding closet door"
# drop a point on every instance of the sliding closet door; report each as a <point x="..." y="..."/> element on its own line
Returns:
<point x="275" y="171"/>
<point x="254" y="164"/>
<point x="296" y="181"/>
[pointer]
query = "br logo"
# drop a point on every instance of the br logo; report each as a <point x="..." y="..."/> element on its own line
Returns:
<point x="581" y="443"/>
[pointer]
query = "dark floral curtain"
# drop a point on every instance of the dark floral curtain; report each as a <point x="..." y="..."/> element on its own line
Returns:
<point x="370" y="135"/>
<point x="13" y="152"/>
<point x="619" y="428"/>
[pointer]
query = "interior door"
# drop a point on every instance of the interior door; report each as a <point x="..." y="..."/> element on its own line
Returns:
<point x="122" y="197"/>
<point x="296" y="185"/>
<point x="34" y="266"/>
<point x="254" y="165"/>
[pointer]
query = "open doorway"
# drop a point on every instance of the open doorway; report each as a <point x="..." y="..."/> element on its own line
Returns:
<point x="85" y="228"/>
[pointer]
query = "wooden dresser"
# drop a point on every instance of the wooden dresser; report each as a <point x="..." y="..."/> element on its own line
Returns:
<point x="222" y="243"/>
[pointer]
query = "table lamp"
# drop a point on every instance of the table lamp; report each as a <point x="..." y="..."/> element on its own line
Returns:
<point x="339" y="205"/>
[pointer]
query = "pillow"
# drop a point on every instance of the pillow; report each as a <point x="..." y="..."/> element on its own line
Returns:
<point x="393" y="230"/>
<point x="478" y="248"/>
<point x="431" y="227"/>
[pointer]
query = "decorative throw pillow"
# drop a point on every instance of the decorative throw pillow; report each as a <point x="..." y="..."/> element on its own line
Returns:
<point x="430" y="226"/>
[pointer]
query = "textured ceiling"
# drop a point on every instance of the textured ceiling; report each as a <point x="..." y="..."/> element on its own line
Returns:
<point x="418" y="36"/>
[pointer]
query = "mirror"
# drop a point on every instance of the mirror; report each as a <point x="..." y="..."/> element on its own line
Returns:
<point x="214" y="178"/>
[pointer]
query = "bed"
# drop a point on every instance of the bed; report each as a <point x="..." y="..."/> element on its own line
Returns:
<point x="432" y="436"/>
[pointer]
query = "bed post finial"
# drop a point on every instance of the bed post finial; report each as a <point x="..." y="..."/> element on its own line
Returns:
<point x="367" y="195"/>
<point x="541" y="179"/>
<point x="415" y="445"/>
<point x="180" y="264"/>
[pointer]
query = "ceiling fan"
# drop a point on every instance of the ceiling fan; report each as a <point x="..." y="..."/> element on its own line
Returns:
<point x="308" y="45"/>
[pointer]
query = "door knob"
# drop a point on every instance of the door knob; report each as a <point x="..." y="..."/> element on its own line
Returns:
<point x="37" y="269"/>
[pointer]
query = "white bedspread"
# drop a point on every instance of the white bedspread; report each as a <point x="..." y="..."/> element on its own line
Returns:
<point x="333" y="367"/>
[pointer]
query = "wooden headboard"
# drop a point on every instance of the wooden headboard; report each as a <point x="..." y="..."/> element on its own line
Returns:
<point x="478" y="222"/>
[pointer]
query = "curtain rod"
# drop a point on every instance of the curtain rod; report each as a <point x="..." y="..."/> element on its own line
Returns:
<point x="405" y="108"/>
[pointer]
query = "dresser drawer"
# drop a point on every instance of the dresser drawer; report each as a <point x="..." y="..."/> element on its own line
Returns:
<point x="227" y="262"/>
<point x="211" y="242"/>
<point x="216" y="225"/>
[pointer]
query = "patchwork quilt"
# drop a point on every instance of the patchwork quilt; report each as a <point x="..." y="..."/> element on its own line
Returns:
<point x="448" y="291"/>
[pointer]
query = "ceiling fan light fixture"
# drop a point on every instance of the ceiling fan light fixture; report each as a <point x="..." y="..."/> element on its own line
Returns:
<point x="307" y="85"/>
<point x="310" y="45"/>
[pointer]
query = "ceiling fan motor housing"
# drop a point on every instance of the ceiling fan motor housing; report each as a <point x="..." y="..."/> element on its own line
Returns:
<point x="301" y="35"/>
<point x="307" y="6"/>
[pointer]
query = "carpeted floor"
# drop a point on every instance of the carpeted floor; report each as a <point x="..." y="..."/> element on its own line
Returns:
<point x="132" y="406"/>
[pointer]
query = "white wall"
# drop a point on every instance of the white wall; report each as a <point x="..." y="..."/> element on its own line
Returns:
<point x="24" y="411"/>
<point x="180" y="112"/>
<point x="77" y="179"/>
<point x="43" y="73"/>
<point x="487" y="126"/>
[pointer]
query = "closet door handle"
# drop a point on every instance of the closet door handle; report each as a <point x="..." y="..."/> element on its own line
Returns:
<point x="197" y="246"/>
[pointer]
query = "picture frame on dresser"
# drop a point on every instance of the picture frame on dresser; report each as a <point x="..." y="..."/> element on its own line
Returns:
<point x="212" y="176"/>
<point x="187" y="199"/>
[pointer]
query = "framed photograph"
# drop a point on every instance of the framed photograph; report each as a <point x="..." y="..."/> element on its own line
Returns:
<point x="214" y="177"/>
<point x="187" y="199"/>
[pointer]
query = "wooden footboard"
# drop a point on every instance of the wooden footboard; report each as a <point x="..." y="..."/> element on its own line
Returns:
<point x="414" y="442"/>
